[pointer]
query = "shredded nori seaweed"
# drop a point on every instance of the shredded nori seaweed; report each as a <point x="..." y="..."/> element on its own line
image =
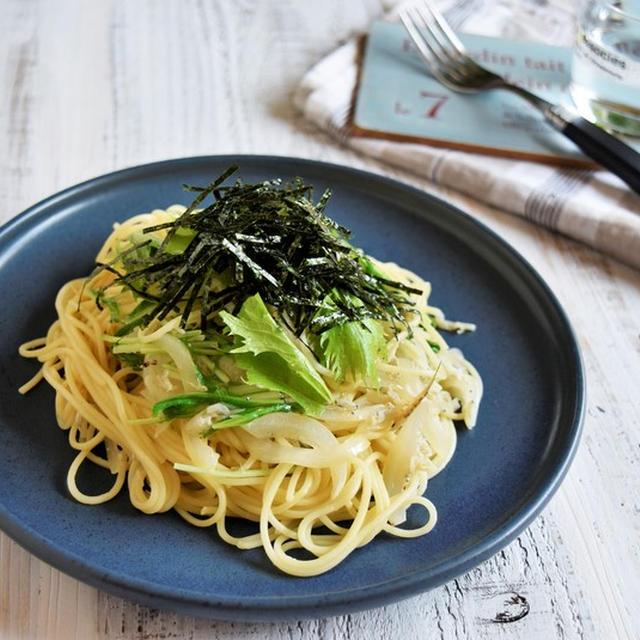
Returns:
<point x="266" y="238"/>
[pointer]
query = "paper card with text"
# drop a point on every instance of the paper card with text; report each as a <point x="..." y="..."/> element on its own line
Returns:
<point x="398" y="99"/>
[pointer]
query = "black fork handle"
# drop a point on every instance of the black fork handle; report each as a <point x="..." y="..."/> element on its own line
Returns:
<point x="605" y="149"/>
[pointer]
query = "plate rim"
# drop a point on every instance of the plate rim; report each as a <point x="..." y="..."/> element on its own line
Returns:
<point x="265" y="608"/>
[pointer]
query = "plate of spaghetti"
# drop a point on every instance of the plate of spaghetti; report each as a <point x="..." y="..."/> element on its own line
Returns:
<point x="264" y="388"/>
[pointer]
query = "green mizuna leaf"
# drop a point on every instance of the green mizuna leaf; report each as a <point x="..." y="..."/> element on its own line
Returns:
<point x="351" y="350"/>
<point x="270" y="358"/>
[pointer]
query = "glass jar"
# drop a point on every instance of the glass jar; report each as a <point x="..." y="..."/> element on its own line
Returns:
<point x="605" y="73"/>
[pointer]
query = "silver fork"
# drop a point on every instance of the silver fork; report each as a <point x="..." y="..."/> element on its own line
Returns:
<point x="449" y="62"/>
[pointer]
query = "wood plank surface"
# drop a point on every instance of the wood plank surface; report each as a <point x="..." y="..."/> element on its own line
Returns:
<point x="89" y="87"/>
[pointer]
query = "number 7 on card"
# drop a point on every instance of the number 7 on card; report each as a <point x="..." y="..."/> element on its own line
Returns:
<point x="437" y="100"/>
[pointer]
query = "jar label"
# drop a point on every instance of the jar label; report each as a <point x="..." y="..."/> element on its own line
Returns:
<point x="615" y="61"/>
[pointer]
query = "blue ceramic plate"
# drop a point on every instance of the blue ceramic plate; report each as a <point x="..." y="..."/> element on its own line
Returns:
<point x="502" y="474"/>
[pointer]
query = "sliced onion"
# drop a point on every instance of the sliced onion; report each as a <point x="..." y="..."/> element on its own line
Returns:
<point x="425" y="442"/>
<point x="293" y="426"/>
<point x="325" y="451"/>
<point x="267" y="450"/>
<point x="440" y="433"/>
<point x="356" y="444"/>
<point x="157" y="382"/>
<point x="183" y="361"/>
<point x="463" y="382"/>
<point x="198" y="449"/>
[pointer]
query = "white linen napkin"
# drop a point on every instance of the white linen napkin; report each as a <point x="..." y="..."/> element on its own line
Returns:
<point x="594" y="207"/>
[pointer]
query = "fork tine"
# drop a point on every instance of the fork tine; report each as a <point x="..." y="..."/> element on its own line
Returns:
<point x="447" y="63"/>
<point x="424" y="48"/>
<point x="443" y="64"/>
<point x="418" y="40"/>
<point x="451" y="38"/>
<point x="445" y="55"/>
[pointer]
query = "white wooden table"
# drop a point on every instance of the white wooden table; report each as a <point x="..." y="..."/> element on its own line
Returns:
<point x="89" y="87"/>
